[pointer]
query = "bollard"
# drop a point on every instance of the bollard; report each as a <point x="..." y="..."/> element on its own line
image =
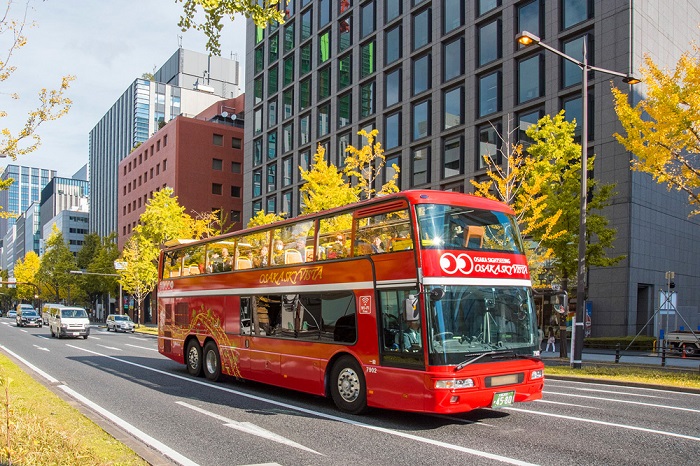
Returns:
<point x="663" y="355"/>
<point x="617" y="353"/>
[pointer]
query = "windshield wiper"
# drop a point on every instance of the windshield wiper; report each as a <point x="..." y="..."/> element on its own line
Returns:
<point x="501" y="353"/>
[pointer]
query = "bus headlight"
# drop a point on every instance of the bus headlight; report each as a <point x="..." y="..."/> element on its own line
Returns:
<point x="454" y="383"/>
<point x="538" y="374"/>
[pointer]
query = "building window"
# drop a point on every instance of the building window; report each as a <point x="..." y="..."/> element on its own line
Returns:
<point x="257" y="152"/>
<point x="305" y="160"/>
<point x="288" y="103"/>
<point x="324" y="112"/>
<point x="573" y="110"/>
<point x="529" y="18"/>
<point x="287" y="203"/>
<point x="271" y="177"/>
<point x="453" y="105"/>
<point x="421" y="120"/>
<point x="367" y="57"/>
<point x="393" y="167"/>
<point x="489" y="93"/>
<point x="304" y="130"/>
<point x="235" y="144"/>
<point x="324" y="47"/>
<point x="344" y="71"/>
<point x="453" y="59"/>
<point x="489" y="42"/>
<point x="287" y="171"/>
<point x="259" y="59"/>
<point x="392" y="130"/>
<point x="216" y="188"/>
<point x="287" y="137"/>
<point x="392" y="87"/>
<point x="257" y="121"/>
<point x="218" y="140"/>
<point x="488" y="145"/>
<point x="236" y="167"/>
<point x="305" y="94"/>
<point x="324" y="12"/>
<point x="259" y="34"/>
<point x="306" y="20"/>
<point x="324" y="83"/>
<point x="421" y="74"/>
<point x="392" y="45"/>
<point x="530" y="78"/>
<point x="165" y="164"/>
<point x="288" y="77"/>
<point x="452" y="15"/>
<point x="571" y="73"/>
<point x="420" y="166"/>
<point x="392" y="9"/>
<point x="367" y="24"/>
<point x="257" y="207"/>
<point x="575" y="12"/>
<point x="272" y="80"/>
<point x="235" y="216"/>
<point x="305" y="59"/>
<point x="343" y="143"/>
<point x="367" y="99"/>
<point x="487" y="5"/>
<point x="344" y="110"/>
<point x="271" y="205"/>
<point x="421" y="29"/>
<point x="217" y="164"/>
<point x="288" y="37"/>
<point x="344" y="33"/>
<point x="272" y="146"/>
<point x="273" y="53"/>
<point x="453" y="155"/>
<point x="272" y="112"/>
<point x="235" y="191"/>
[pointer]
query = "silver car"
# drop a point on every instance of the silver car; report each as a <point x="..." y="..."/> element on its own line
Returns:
<point x="120" y="323"/>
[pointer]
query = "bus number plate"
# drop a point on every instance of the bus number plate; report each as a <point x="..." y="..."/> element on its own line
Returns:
<point x="503" y="399"/>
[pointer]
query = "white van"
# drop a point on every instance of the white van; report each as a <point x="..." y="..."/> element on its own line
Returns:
<point x="66" y="321"/>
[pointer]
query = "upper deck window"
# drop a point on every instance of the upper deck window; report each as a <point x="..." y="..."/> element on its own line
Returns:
<point x="456" y="227"/>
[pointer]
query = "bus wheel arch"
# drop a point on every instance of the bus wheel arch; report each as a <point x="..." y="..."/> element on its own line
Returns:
<point x="193" y="357"/>
<point x="347" y="385"/>
<point x="211" y="361"/>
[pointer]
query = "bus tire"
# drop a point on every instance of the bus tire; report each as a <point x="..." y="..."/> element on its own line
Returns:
<point x="348" y="387"/>
<point x="690" y="350"/>
<point x="193" y="358"/>
<point x="211" y="362"/>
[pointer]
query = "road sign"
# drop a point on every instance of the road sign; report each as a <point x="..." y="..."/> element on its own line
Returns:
<point x="119" y="265"/>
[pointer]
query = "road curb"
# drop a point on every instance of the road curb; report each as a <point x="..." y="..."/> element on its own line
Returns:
<point x="668" y="388"/>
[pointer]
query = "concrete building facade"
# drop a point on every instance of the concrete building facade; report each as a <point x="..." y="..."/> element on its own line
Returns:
<point x="441" y="80"/>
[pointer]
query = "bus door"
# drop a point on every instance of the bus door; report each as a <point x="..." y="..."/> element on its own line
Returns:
<point x="255" y="357"/>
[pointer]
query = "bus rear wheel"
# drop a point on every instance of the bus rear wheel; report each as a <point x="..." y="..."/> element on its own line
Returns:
<point x="348" y="387"/>
<point x="193" y="358"/>
<point x="212" y="362"/>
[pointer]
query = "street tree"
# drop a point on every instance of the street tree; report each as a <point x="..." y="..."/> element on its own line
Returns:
<point x="663" y="130"/>
<point x="53" y="104"/>
<point x="140" y="276"/>
<point x="518" y="184"/>
<point x="325" y="186"/>
<point x="365" y="165"/>
<point x="164" y="219"/>
<point x="56" y="264"/>
<point x="261" y="218"/>
<point x="555" y="151"/>
<point x="25" y="272"/>
<point x="262" y="12"/>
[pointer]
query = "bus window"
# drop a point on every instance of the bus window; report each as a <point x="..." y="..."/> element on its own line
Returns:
<point x="172" y="263"/>
<point x="219" y="257"/>
<point x="334" y="237"/>
<point x="402" y="331"/>
<point x="293" y="244"/>
<point x="381" y="233"/>
<point x="193" y="260"/>
<point x="250" y="249"/>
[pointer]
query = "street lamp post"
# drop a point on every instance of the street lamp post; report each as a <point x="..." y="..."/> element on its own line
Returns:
<point x="527" y="38"/>
<point x="81" y="272"/>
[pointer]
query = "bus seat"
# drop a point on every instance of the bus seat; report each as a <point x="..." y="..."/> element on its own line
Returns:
<point x="474" y="237"/>
<point x="244" y="263"/>
<point x="292" y="256"/>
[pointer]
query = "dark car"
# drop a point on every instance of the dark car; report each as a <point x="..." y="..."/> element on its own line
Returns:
<point x="28" y="318"/>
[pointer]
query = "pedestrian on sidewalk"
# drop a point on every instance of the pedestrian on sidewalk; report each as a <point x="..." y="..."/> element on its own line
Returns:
<point x="550" y="339"/>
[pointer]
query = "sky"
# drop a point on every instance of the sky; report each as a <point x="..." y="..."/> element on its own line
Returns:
<point x="105" y="44"/>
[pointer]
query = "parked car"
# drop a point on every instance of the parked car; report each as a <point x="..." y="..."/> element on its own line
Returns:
<point x="67" y="321"/>
<point x="119" y="322"/>
<point x="28" y="318"/>
<point x="12" y="314"/>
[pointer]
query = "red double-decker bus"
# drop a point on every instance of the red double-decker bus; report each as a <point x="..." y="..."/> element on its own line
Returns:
<point x="416" y="301"/>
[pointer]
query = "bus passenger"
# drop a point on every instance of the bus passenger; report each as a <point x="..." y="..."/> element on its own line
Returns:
<point x="410" y="336"/>
<point x="278" y="252"/>
<point x="377" y="246"/>
<point x="262" y="259"/>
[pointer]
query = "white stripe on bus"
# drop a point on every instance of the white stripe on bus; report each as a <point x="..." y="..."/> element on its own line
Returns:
<point x="289" y="289"/>
<point x="476" y="281"/>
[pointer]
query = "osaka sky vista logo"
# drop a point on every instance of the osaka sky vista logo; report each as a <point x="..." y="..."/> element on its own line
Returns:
<point x="464" y="263"/>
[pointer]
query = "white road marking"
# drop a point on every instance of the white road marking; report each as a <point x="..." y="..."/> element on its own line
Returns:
<point x="109" y="347"/>
<point x="566" y="404"/>
<point x="603" y="423"/>
<point x="503" y="459"/>
<point x="653" y="405"/>
<point x="141" y="347"/>
<point x="250" y="428"/>
<point x="41" y="348"/>
<point x="613" y="392"/>
<point x="139" y="338"/>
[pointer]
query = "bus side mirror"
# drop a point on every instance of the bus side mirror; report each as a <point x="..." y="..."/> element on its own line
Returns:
<point x="436" y="294"/>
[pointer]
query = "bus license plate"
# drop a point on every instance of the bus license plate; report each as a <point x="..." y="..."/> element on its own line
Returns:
<point x="503" y="399"/>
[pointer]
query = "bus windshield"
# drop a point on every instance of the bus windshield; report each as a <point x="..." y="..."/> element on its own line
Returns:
<point x="456" y="227"/>
<point x="476" y="319"/>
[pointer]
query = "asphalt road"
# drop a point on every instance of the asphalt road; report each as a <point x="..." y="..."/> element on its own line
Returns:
<point x="178" y="419"/>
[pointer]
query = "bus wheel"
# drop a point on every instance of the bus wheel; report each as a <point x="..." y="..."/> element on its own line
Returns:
<point x="690" y="350"/>
<point x="194" y="358"/>
<point x="212" y="362"/>
<point x="348" y="386"/>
